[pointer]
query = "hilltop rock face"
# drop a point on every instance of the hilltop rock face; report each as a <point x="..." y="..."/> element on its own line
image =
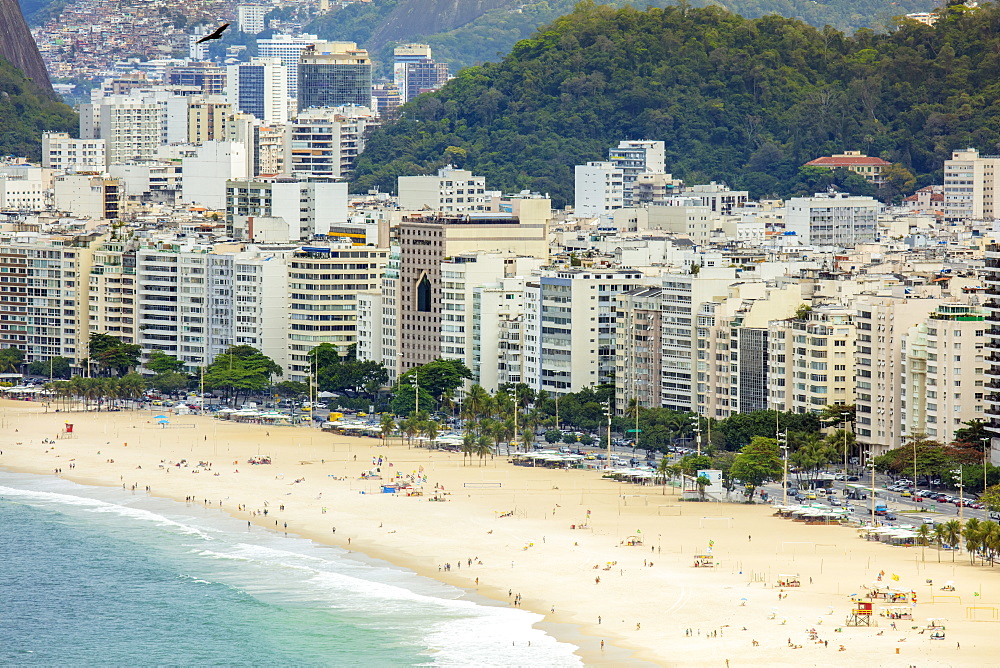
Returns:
<point x="18" y="46"/>
<point x="427" y="17"/>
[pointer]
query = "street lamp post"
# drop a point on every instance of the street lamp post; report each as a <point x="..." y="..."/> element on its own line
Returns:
<point x="987" y="442"/>
<point x="696" y="423"/>
<point x="784" y="466"/>
<point x="871" y="465"/>
<point x="961" y="496"/>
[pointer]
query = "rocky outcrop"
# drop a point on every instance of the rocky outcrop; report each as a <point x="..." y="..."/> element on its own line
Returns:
<point x="18" y="47"/>
<point x="412" y="18"/>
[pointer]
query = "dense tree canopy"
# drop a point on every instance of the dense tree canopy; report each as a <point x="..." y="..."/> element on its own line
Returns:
<point x="25" y="113"/>
<point x="747" y="102"/>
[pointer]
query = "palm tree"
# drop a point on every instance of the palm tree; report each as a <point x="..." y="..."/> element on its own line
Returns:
<point x="497" y="431"/>
<point x="939" y="535"/>
<point x="475" y="405"/>
<point x="447" y="402"/>
<point x="483" y="448"/>
<point x="953" y="535"/>
<point x="991" y="540"/>
<point x="430" y="430"/>
<point x="468" y="446"/>
<point x="973" y="532"/>
<point x="923" y="535"/>
<point x="411" y="427"/>
<point x="386" y="425"/>
<point x="527" y="439"/>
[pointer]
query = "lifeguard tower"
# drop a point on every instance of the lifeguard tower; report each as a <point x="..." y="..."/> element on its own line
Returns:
<point x="861" y="615"/>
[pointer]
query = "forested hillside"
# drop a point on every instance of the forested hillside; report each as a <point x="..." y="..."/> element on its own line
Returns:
<point x="25" y="113"/>
<point x="485" y="30"/>
<point x="739" y="100"/>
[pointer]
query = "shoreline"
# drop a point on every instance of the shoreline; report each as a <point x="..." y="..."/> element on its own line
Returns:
<point x="587" y="646"/>
<point x="516" y="520"/>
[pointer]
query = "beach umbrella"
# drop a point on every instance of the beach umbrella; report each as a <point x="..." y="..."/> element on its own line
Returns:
<point x="157" y="417"/>
<point x="164" y="422"/>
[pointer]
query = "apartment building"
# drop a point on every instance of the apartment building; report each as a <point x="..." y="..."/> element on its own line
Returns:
<point x="497" y="333"/>
<point x="378" y="320"/>
<point x="638" y="347"/>
<point x="208" y="78"/>
<point x="334" y="74"/>
<point x="811" y="359"/>
<point x="598" y="189"/>
<point x="733" y="357"/>
<point x="62" y="152"/>
<point x="681" y="299"/>
<point x="259" y="88"/>
<point x="991" y="278"/>
<point x="944" y="382"/>
<point x="882" y="324"/>
<point x="832" y="219"/>
<point x="569" y="327"/>
<point x="426" y="240"/>
<point x="23" y="192"/>
<point x="970" y="181"/>
<point x="206" y="119"/>
<point x="450" y="191"/>
<point x="462" y="315"/>
<point x="185" y="300"/>
<point x="323" y="287"/>
<point x="326" y="143"/>
<point x="87" y="196"/>
<point x="281" y="210"/>
<point x="634" y="158"/>
<point x="112" y="298"/>
<point x="40" y="295"/>
<point x="260" y="299"/>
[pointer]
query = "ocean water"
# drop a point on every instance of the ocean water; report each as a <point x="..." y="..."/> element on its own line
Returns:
<point x="97" y="576"/>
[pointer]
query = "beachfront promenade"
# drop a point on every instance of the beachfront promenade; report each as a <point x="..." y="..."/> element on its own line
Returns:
<point x="625" y="575"/>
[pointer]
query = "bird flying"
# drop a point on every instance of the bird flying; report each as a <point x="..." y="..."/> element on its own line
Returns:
<point x="215" y="35"/>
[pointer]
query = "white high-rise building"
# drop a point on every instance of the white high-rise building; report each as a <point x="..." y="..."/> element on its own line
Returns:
<point x="207" y="172"/>
<point x="832" y="219"/>
<point x="282" y="210"/>
<point x="250" y="18"/>
<point x="598" y="189"/>
<point x="970" y="184"/>
<point x="60" y="151"/>
<point x="259" y="88"/>
<point x="289" y="49"/>
<point x="637" y="157"/>
<point x="326" y="142"/>
<point x="185" y="301"/>
<point x="569" y="327"/>
<point x="451" y="190"/>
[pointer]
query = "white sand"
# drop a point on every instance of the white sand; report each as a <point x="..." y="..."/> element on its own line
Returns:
<point x="644" y="609"/>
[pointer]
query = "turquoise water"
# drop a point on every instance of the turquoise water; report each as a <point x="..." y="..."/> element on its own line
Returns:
<point x="96" y="576"/>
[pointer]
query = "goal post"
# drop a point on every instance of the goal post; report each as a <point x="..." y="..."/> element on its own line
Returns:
<point x="727" y="520"/>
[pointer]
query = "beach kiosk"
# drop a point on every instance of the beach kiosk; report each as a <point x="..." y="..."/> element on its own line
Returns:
<point x="789" y="581"/>
<point x="633" y="541"/>
<point x="704" y="561"/>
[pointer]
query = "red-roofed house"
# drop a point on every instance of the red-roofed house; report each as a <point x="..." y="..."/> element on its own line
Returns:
<point x="855" y="161"/>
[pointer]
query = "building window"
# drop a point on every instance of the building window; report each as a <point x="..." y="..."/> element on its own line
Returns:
<point x="424" y="295"/>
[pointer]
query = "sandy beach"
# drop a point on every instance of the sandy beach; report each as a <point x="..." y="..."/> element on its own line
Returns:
<point x="505" y="532"/>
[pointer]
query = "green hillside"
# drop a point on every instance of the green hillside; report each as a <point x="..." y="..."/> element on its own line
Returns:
<point x="739" y="100"/>
<point x="25" y="114"/>
<point x="494" y="32"/>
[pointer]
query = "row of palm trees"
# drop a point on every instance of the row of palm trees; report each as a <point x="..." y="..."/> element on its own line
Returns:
<point x="109" y="392"/>
<point x="982" y="538"/>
